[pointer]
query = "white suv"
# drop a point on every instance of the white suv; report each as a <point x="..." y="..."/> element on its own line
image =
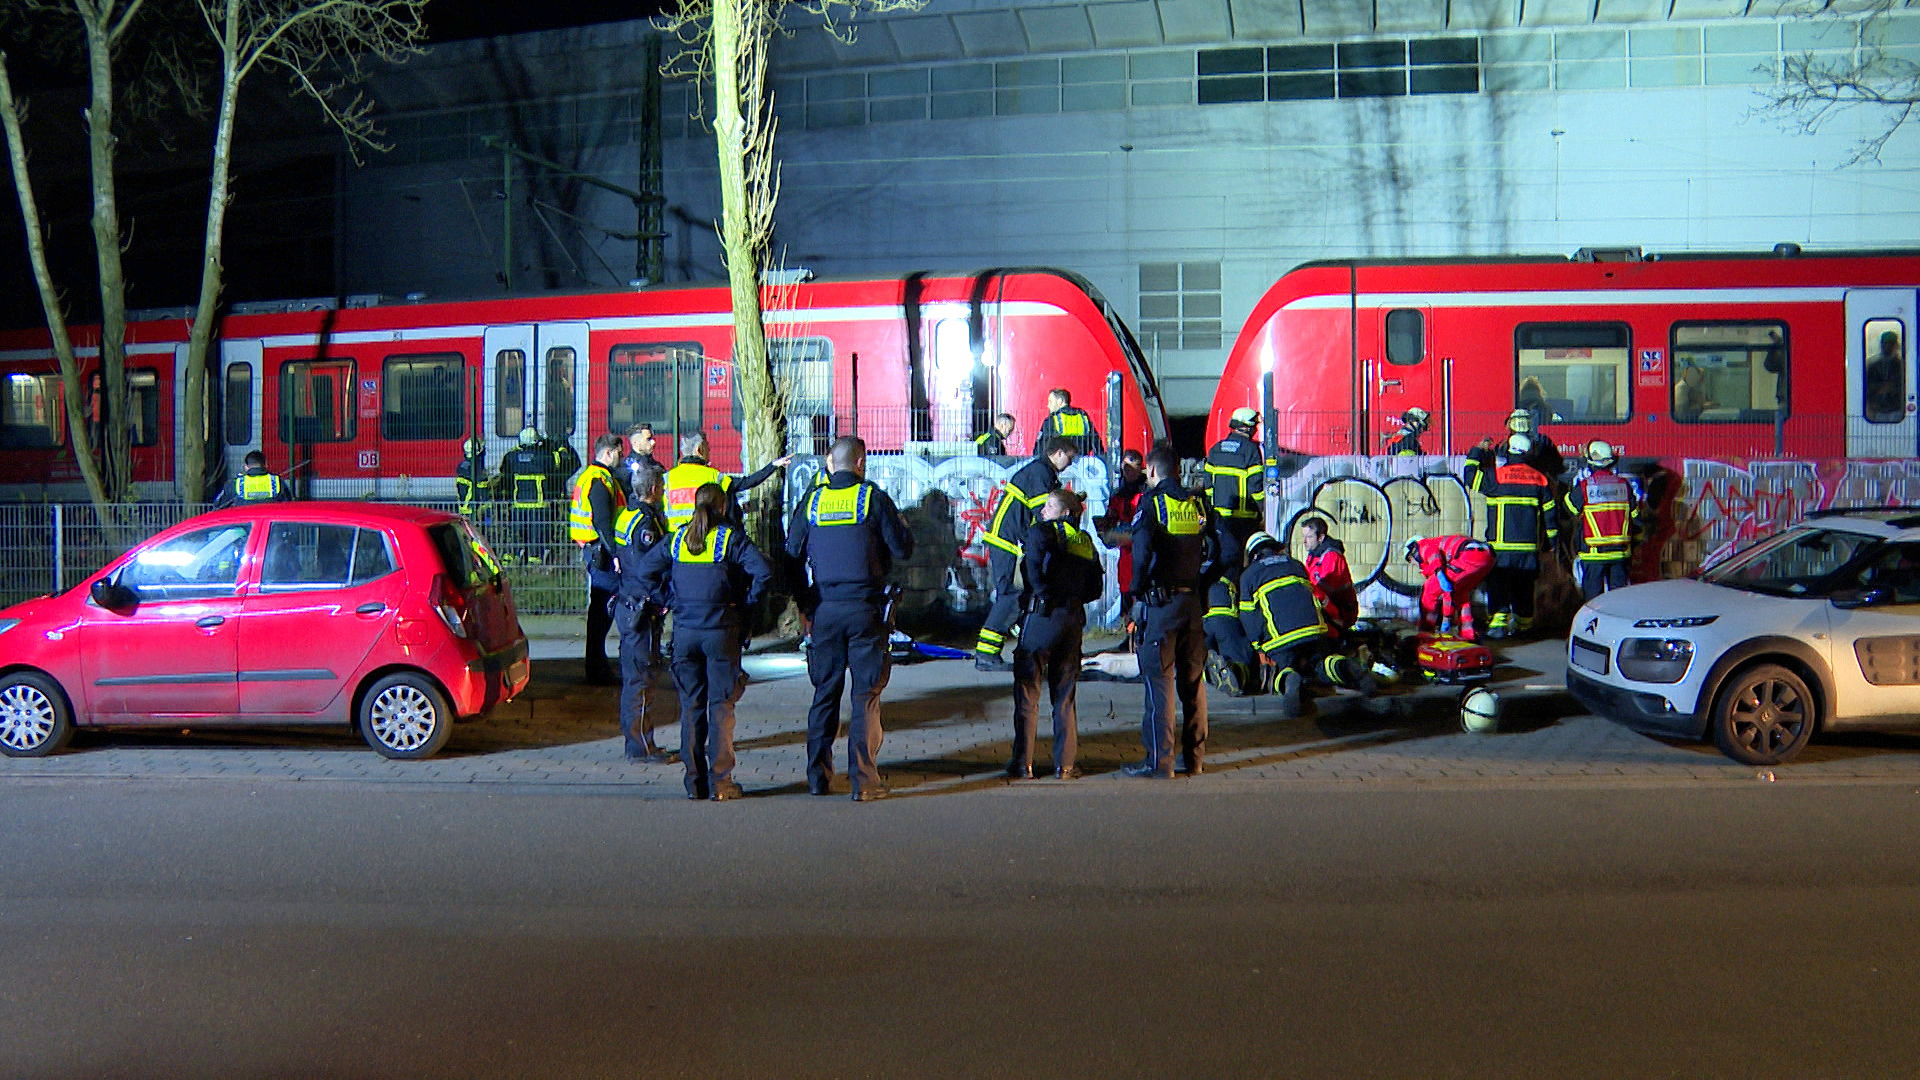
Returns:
<point x="1816" y="628"/>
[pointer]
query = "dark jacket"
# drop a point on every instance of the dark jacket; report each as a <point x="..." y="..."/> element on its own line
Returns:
<point x="850" y="533"/>
<point x="990" y="444"/>
<point x="631" y="464"/>
<point x="1236" y="472"/>
<point x="1073" y="425"/>
<point x="1277" y="608"/>
<point x="639" y="529"/>
<point x="1520" y="506"/>
<point x="1020" y="499"/>
<point x="1172" y="544"/>
<point x="1061" y="567"/>
<point x="706" y="590"/>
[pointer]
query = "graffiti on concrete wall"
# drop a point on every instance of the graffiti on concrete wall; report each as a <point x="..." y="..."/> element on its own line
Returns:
<point x="1721" y="506"/>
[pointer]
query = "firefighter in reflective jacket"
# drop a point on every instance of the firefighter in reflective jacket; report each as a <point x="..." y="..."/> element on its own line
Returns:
<point x="254" y="485"/>
<point x="1236" y="476"/>
<point x="1604" y="505"/>
<point x="1174" y="557"/>
<point x="1020" y="498"/>
<point x="849" y="534"/>
<point x="1406" y="441"/>
<point x="1063" y="575"/>
<point x="1066" y="422"/>
<point x="470" y="480"/>
<point x="708" y="574"/>
<point x="1283" y="621"/>
<point x="597" y="503"/>
<point x="692" y="472"/>
<point x="1453" y="566"/>
<point x="635" y="532"/>
<point x="1230" y="662"/>
<point x="523" y="475"/>
<point x="1521" y="523"/>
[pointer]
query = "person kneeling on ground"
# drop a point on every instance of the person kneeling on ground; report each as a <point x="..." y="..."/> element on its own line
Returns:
<point x="1283" y="620"/>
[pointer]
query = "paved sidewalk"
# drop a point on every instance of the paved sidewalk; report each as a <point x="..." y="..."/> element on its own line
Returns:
<point x="948" y="730"/>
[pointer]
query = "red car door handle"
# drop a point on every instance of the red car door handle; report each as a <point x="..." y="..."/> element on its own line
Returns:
<point x="210" y="622"/>
<point x="373" y="608"/>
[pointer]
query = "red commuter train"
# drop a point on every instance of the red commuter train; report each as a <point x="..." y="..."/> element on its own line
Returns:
<point x="1728" y="357"/>
<point x="377" y="397"/>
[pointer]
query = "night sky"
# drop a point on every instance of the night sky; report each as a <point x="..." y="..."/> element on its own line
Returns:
<point x="453" y="20"/>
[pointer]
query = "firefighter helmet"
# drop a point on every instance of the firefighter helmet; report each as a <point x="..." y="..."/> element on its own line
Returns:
<point x="1259" y="540"/>
<point x="1602" y="454"/>
<point x="1417" y="419"/>
<point x="529" y="436"/>
<point x="1520" y="422"/>
<point x="1519" y="445"/>
<point x="1244" y="418"/>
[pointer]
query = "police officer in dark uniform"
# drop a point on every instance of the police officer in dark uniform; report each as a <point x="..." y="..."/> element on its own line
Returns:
<point x="639" y="457"/>
<point x="849" y="533"/>
<point x="707" y="573"/>
<point x="597" y="503"/>
<point x="1282" y="619"/>
<point x="1063" y="576"/>
<point x="1020" y="497"/>
<point x="640" y="527"/>
<point x="254" y="485"/>
<point x="1173" y="555"/>
<point x="1236" y="479"/>
<point x="1066" y="422"/>
<point x="994" y="443"/>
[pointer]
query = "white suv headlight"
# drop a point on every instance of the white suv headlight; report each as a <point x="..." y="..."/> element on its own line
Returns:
<point x="1655" y="660"/>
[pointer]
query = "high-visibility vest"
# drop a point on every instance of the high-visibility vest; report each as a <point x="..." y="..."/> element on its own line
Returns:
<point x="718" y="540"/>
<point x="683" y="483"/>
<point x="1180" y="517"/>
<point x="1603" y="503"/>
<point x="829" y="506"/>
<point x="251" y="488"/>
<point x="580" y="512"/>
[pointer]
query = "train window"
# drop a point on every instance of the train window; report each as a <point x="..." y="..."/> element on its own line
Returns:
<point x="238" y="405"/>
<point x="1883" y="392"/>
<point x="1729" y="372"/>
<point x="509" y="392"/>
<point x="143" y="405"/>
<point x="1406" y="336"/>
<point x="422" y="397"/>
<point x="316" y="401"/>
<point x="803" y="369"/>
<point x="642" y="381"/>
<point x="1573" y="373"/>
<point x="559" y="391"/>
<point x="31" y="414"/>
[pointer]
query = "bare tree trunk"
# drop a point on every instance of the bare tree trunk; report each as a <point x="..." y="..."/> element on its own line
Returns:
<point x="743" y="135"/>
<point x="50" y="298"/>
<point x="193" y="466"/>
<point x="106" y="242"/>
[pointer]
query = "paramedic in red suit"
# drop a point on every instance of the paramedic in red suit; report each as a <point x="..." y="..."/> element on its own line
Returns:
<point x="1327" y="569"/>
<point x="1454" y="566"/>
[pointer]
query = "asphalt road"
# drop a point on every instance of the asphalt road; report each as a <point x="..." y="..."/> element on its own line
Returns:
<point x="280" y="929"/>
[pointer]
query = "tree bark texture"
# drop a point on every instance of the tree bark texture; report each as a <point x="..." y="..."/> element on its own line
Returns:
<point x="107" y="239"/>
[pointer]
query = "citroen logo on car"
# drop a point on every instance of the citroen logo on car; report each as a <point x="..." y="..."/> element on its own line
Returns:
<point x="1592" y="625"/>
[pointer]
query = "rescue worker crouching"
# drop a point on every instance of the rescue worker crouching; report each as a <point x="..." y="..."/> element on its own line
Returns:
<point x="1283" y="620"/>
<point x="1063" y="575"/>
<point x="1328" y="572"/>
<point x="1020" y="497"/>
<point x="639" y="528"/>
<point x="597" y="503"/>
<point x="1236" y="478"/>
<point x="708" y="574"/>
<point x="1231" y="664"/>
<point x="849" y="534"/>
<point x="255" y="485"/>
<point x="692" y="472"/>
<point x="1521" y="523"/>
<point x="1604" y="508"/>
<point x="1453" y="567"/>
<point x="1172" y="558"/>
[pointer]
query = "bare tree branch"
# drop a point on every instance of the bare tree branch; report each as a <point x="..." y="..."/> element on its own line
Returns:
<point x="1816" y="87"/>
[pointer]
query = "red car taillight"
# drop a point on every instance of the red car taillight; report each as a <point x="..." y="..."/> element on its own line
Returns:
<point x="451" y="607"/>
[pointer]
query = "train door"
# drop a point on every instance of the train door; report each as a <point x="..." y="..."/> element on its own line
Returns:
<point x="560" y="384"/>
<point x="1880" y="374"/>
<point x="1399" y="372"/>
<point x="952" y="399"/>
<point x="505" y="365"/>
<point x="240" y="399"/>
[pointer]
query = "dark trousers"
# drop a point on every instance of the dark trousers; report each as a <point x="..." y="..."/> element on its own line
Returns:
<point x="1006" y="604"/>
<point x="640" y="664"/>
<point x="1240" y="529"/>
<point x="849" y="639"/>
<point x="1173" y="658"/>
<point x="1510" y="587"/>
<point x="1318" y="661"/>
<point x="706" y="672"/>
<point x="1597" y="576"/>
<point x="1049" y="651"/>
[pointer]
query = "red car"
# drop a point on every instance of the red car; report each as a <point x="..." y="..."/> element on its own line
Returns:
<point x="390" y="618"/>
